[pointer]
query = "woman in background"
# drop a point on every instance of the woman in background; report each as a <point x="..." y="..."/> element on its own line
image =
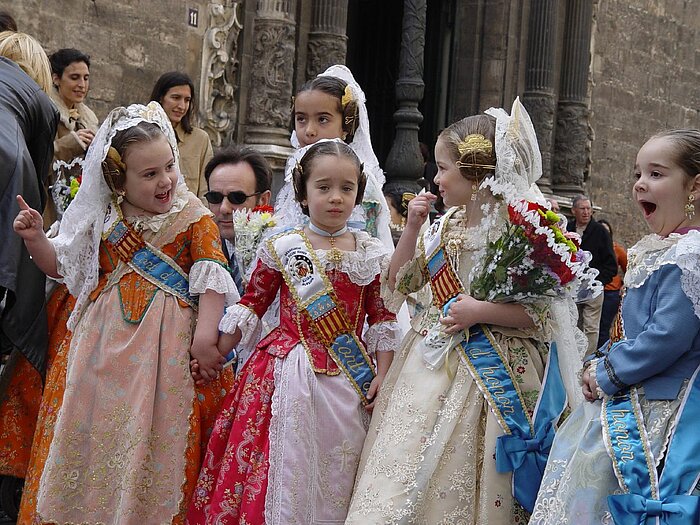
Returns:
<point x="175" y="92"/>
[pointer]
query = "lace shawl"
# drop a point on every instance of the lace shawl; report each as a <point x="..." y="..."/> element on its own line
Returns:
<point x="653" y="251"/>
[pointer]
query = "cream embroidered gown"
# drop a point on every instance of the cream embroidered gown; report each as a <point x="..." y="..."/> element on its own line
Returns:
<point x="429" y="457"/>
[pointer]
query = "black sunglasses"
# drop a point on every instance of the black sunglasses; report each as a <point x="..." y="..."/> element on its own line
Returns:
<point x="234" y="197"/>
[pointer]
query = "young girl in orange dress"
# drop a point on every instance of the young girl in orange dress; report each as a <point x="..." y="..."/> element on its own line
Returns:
<point x="121" y="423"/>
<point x="286" y="445"/>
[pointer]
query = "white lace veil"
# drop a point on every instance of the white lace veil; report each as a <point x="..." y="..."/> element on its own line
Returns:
<point x="78" y="241"/>
<point x="289" y="210"/>
<point x="518" y="168"/>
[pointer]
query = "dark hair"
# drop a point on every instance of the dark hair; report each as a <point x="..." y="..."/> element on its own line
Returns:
<point x="454" y="134"/>
<point x="394" y="192"/>
<point x="235" y="154"/>
<point x="301" y="172"/>
<point x="7" y="22"/>
<point x="170" y="80"/>
<point x="686" y="145"/>
<point x="114" y="174"/>
<point x="610" y="229"/>
<point x="63" y="58"/>
<point x="335" y="87"/>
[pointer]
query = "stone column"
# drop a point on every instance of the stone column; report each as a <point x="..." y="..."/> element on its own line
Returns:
<point x="271" y="80"/>
<point x="540" y="97"/>
<point x="327" y="39"/>
<point x="218" y="104"/>
<point x="573" y="132"/>
<point x="405" y="162"/>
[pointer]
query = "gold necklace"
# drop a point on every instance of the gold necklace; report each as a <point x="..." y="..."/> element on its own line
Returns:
<point x="335" y="256"/>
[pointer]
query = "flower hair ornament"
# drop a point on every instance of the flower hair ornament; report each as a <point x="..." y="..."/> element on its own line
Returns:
<point x="78" y="241"/>
<point x="472" y="145"/>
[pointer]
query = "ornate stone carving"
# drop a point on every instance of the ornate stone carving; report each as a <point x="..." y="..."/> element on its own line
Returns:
<point x="324" y="51"/>
<point x="218" y="106"/>
<point x="272" y="74"/>
<point x="542" y="110"/>
<point x="572" y="149"/>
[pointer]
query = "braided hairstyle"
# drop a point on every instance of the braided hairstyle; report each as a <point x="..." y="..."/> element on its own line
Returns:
<point x="456" y="133"/>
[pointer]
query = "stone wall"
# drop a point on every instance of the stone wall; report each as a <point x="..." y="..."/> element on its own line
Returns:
<point x="130" y="42"/>
<point x="646" y="78"/>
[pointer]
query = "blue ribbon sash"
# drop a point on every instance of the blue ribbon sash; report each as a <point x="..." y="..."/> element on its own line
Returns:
<point x="314" y="294"/>
<point x="664" y="501"/>
<point x="525" y="445"/>
<point x="146" y="260"/>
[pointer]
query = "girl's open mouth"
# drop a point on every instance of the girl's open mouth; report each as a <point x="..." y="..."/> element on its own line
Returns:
<point x="163" y="196"/>
<point x="648" y="207"/>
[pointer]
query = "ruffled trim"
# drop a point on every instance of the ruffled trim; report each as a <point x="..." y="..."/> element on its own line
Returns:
<point x="383" y="337"/>
<point x="393" y="299"/>
<point x="653" y="251"/>
<point x="362" y="265"/>
<point x="210" y="275"/>
<point x="242" y="317"/>
<point x="593" y="372"/>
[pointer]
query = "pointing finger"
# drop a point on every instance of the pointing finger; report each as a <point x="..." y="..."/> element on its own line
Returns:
<point x="22" y="204"/>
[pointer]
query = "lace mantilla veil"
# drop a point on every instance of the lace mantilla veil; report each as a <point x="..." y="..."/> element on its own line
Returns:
<point x="518" y="168"/>
<point x="288" y="208"/>
<point x="78" y="241"/>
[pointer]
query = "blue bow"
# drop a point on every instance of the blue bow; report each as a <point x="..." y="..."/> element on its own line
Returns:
<point x="526" y="457"/>
<point x="629" y="509"/>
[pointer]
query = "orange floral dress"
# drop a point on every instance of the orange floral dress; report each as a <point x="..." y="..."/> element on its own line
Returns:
<point x="116" y="439"/>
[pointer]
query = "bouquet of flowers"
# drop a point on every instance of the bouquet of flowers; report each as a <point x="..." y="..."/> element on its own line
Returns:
<point x="67" y="177"/>
<point x="533" y="258"/>
<point x="249" y="226"/>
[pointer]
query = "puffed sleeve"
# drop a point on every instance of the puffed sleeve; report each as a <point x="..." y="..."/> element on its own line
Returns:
<point x="383" y="334"/>
<point x="209" y="270"/>
<point x="410" y="278"/>
<point x="259" y="294"/>
<point x="669" y="333"/>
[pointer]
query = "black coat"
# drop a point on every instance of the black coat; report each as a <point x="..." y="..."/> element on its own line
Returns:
<point x="596" y="239"/>
<point x="28" y="121"/>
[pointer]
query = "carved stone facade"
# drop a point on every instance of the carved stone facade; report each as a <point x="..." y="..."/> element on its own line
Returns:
<point x="584" y="68"/>
<point x="218" y="103"/>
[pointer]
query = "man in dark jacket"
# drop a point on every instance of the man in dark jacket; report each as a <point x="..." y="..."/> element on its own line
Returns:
<point x="594" y="239"/>
<point x="28" y="123"/>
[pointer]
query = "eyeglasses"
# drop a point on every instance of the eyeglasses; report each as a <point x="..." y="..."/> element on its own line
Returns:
<point x="234" y="197"/>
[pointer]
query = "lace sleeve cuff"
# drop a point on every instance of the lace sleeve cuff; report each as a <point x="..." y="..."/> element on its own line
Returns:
<point x="239" y="316"/>
<point x="539" y="313"/>
<point x="394" y="299"/>
<point x="210" y="275"/>
<point x="383" y="337"/>
<point x="593" y="371"/>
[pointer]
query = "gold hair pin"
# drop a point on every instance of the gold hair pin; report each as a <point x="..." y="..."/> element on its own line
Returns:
<point x="475" y="143"/>
<point x="113" y="154"/>
<point x="347" y="96"/>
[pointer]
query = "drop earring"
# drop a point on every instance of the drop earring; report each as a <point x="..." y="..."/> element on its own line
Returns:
<point x="475" y="189"/>
<point x="690" y="207"/>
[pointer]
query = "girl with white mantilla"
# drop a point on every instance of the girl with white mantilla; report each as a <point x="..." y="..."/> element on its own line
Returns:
<point x="429" y="456"/>
<point x="287" y="442"/>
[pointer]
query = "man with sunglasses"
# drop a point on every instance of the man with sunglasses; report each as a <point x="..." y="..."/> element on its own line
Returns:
<point x="238" y="177"/>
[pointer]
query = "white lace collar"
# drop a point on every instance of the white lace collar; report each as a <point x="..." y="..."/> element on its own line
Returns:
<point x="653" y="251"/>
<point x="361" y="265"/>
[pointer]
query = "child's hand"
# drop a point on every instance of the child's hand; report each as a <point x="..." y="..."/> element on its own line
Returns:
<point x="589" y="386"/>
<point x="418" y="209"/>
<point x="28" y="224"/>
<point x="373" y="390"/>
<point x="196" y="374"/>
<point x="462" y="314"/>
<point x="209" y="360"/>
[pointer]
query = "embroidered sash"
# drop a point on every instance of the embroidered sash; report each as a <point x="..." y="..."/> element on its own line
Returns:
<point x="525" y="446"/>
<point x="145" y="259"/>
<point x="648" y="499"/>
<point x="314" y="295"/>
